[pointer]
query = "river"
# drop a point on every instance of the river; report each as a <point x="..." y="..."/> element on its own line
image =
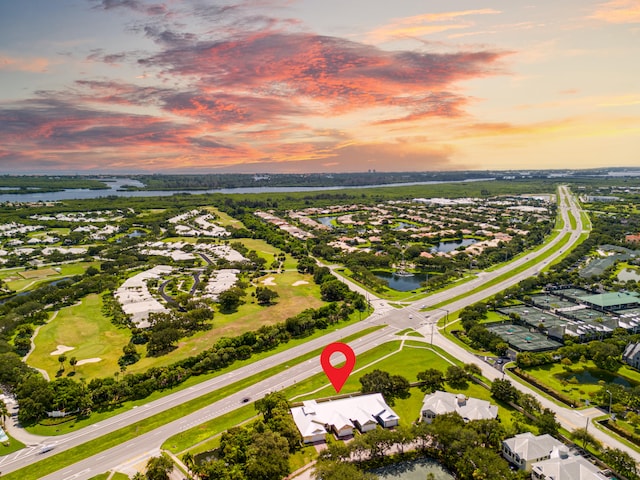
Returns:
<point x="116" y="183"/>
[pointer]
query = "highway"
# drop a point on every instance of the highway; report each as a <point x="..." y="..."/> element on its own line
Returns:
<point x="412" y="315"/>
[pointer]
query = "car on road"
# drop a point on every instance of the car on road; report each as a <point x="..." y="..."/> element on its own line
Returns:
<point x="245" y="400"/>
<point x="46" y="448"/>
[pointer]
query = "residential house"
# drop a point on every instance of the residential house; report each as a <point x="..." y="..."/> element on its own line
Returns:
<point x="564" y="466"/>
<point x="364" y="413"/>
<point x="525" y="449"/>
<point x="631" y="355"/>
<point x="439" y="403"/>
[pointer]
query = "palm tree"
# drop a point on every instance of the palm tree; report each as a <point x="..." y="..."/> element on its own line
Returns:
<point x="73" y="361"/>
<point x="4" y="412"/>
<point x="62" y="358"/>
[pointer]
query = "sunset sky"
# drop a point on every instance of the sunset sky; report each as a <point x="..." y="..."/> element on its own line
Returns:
<point x="177" y="86"/>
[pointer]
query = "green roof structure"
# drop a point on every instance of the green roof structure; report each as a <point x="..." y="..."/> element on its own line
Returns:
<point x="610" y="300"/>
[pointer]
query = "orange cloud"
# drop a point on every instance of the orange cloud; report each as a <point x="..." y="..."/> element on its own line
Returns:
<point x="421" y="25"/>
<point x="33" y="65"/>
<point x="618" y="11"/>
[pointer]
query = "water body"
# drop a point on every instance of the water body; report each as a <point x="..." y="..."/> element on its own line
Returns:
<point x="82" y="194"/>
<point x="402" y="283"/>
<point x="414" y="470"/>
<point x="326" y="221"/>
<point x="446" y="247"/>
<point x="594" y="375"/>
<point x="629" y="274"/>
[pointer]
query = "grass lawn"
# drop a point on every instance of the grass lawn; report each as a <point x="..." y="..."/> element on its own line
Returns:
<point x="84" y="327"/>
<point x="250" y="316"/>
<point x="14" y="446"/>
<point x="549" y="375"/>
<point x="224" y="219"/>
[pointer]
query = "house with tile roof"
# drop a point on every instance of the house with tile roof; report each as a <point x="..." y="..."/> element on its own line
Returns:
<point x="469" y="408"/>
<point x="340" y="417"/>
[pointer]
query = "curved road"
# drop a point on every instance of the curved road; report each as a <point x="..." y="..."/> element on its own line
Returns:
<point x="123" y="456"/>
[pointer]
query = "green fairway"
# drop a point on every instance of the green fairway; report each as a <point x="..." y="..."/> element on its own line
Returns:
<point x="297" y="292"/>
<point x="20" y="279"/>
<point x="89" y="332"/>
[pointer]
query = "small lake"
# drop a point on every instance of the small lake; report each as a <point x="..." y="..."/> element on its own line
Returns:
<point x="446" y="247"/>
<point x="326" y="221"/>
<point x="414" y="470"/>
<point x="629" y="274"/>
<point x="403" y="225"/>
<point x="594" y="375"/>
<point x="402" y="283"/>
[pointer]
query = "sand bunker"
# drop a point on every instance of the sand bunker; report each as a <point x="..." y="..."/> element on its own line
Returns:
<point x="88" y="360"/>
<point x="62" y="349"/>
<point x="300" y="282"/>
<point x="269" y="281"/>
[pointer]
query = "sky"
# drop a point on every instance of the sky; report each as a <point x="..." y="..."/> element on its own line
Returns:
<point x="295" y="86"/>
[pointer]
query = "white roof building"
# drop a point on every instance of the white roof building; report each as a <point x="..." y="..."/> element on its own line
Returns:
<point x="563" y="466"/>
<point x="439" y="403"/>
<point x="314" y="420"/>
<point x="525" y="449"/>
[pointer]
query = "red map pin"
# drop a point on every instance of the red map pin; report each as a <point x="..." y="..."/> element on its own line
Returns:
<point x="337" y="376"/>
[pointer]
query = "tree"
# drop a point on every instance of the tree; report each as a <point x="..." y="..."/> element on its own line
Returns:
<point x="159" y="468"/>
<point x="267" y="457"/>
<point x="62" y="358"/>
<point x="390" y="386"/>
<point x="73" y="361"/>
<point x="162" y="341"/>
<point x="546" y="423"/>
<point x="471" y="369"/>
<point x="231" y="299"/>
<point x="457" y="377"/>
<point x="504" y="391"/>
<point x="432" y="379"/>
<point x="328" y="470"/>
<point x="333" y="291"/>
<point x="621" y="462"/>
<point x="271" y="404"/>
<point x="4" y="411"/>
<point x="584" y="438"/>
<point x="34" y="397"/>
<point x="265" y="295"/>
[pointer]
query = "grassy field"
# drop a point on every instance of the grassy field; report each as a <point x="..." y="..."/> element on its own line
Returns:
<point x="224" y="219"/>
<point x="250" y="316"/>
<point x="551" y="375"/>
<point x="89" y="332"/>
<point x="20" y="279"/>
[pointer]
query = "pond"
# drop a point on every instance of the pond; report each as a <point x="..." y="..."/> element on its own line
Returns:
<point x="402" y="283"/>
<point x="326" y="221"/>
<point x="403" y="225"/>
<point x="629" y="274"/>
<point x="594" y="375"/>
<point x="445" y="247"/>
<point x="414" y="470"/>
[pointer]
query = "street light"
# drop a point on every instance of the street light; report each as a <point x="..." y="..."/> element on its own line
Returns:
<point x="610" y="400"/>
